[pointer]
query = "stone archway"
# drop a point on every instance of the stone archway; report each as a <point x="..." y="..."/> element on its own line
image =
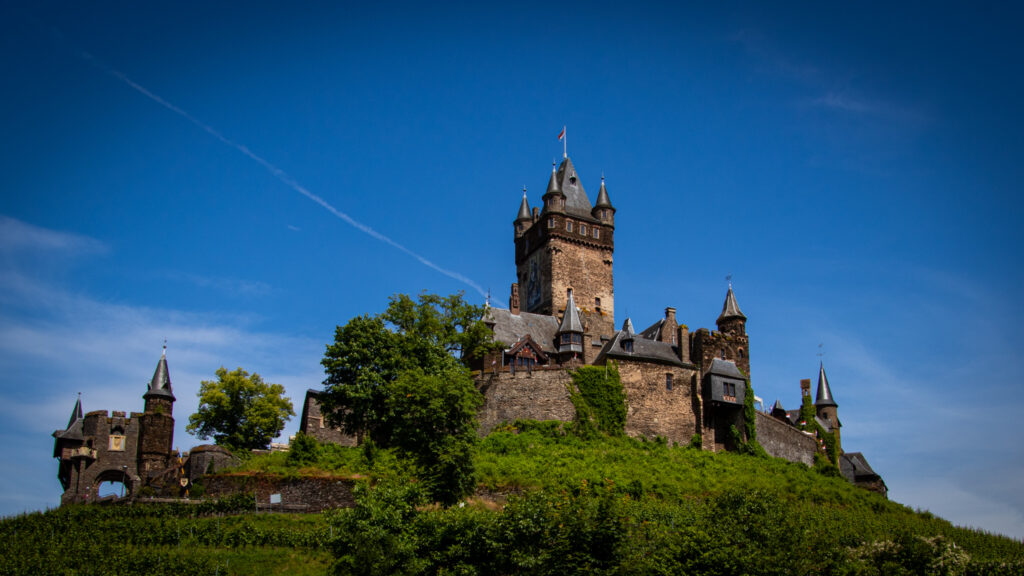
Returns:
<point x="121" y="475"/>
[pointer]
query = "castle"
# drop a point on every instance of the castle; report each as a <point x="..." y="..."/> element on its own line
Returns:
<point x="680" y="385"/>
<point x="133" y="450"/>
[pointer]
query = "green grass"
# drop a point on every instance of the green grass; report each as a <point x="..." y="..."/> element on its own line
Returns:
<point x="610" y="504"/>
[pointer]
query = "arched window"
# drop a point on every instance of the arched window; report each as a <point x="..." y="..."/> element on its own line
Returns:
<point x="740" y="353"/>
<point x="723" y="353"/>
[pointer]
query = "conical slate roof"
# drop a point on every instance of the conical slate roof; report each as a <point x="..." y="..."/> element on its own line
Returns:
<point x="571" y="319"/>
<point x="160" y="385"/>
<point x="778" y="406"/>
<point x="824" y="392"/>
<point x="602" y="197"/>
<point x="553" y="186"/>
<point x="76" y="412"/>
<point x="524" y="209"/>
<point x="731" y="309"/>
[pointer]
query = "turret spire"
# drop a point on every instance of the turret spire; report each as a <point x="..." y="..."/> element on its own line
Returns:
<point x="730" y="309"/>
<point x="160" y="385"/>
<point x="76" y="412"/>
<point x="602" y="196"/>
<point x="524" y="208"/>
<point x="824" y="397"/>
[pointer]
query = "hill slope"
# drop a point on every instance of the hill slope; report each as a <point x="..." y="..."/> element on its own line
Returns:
<point x="549" y="502"/>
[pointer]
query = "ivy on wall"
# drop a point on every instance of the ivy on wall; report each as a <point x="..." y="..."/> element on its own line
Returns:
<point x="600" y="401"/>
<point x="809" y="423"/>
<point x="747" y="443"/>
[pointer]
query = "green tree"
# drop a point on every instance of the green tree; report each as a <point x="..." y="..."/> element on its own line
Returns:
<point x="239" y="410"/>
<point x="399" y="379"/>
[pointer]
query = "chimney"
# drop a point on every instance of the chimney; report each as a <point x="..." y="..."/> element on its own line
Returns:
<point x="805" y="387"/>
<point x="513" y="301"/>
<point x="536" y="213"/>
<point x="669" y="328"/>
<point x="684" y="343"/>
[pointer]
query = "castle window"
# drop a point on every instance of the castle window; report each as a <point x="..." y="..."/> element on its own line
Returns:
<point x="597" y="302"/>
<point x="628" y="346"/>
<point x="519" y="227"/>
<point x="723" y="353"/>
<point x="551" y="222"/>
<point x="572" y="180"/>
<point x="568" y="225"/>
<point x="583" y="229"/>
<point x="668" y="381"/>
<point x="597" y="232"/>
<point x="561" y="203"/>
<point x="740" y="352"/>
<point x="116" y="440"/>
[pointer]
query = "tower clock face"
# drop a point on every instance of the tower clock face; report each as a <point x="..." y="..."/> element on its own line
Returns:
<point x="533" y="283"/>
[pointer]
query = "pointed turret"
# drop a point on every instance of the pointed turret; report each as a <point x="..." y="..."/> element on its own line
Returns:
<point x="524" y="208"/>
<point x="603" y="209"/>
<point x="732" y="319"/>
<point x="160" y="385"/>
<point x="570" y="330"/>
<point x="76" y="412"/>
<point x="628" y="335"/>
<point x="554" y="198"/>
<point x="824" y="397"/>
<point x="523" y="220"/>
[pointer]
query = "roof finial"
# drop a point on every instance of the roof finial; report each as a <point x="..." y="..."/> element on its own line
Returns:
<point x="165" y="348"/>
<point x="728" y="278"/>
<point x="487" y="299"/>
<point x="524" y="190"/>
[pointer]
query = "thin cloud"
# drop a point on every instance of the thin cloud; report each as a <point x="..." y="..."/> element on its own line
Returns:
<point x="279" y="174"/>
<point x="229" y="286"/>
<point x="19" y="236"/>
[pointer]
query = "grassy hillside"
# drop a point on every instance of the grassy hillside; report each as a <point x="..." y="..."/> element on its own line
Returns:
<point x="549" y="502"/>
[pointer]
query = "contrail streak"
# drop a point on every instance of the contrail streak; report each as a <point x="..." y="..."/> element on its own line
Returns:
<point x="278" y="173"/>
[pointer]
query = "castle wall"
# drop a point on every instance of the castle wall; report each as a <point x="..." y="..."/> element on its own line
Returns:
<point x="784" y="441"/>
<point x="540" y="395"/>
<point x="653" y="409"/>
<point x="310" y="494"/>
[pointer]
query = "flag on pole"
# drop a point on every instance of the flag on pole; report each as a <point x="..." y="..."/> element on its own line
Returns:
<point x="562" y="133"/>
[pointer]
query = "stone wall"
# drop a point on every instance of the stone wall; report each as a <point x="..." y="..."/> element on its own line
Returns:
<point x="654" y="410"/>
<point x="540" y="395"/>
<point x="209" y="459"/>
<point x="784" y="441"/>
<point x="114" y="459"/>
<point x="314" y="424"/>
<point x="311" y="494"/>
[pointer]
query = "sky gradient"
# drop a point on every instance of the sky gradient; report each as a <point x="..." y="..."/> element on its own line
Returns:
<point x="240" y="179"/>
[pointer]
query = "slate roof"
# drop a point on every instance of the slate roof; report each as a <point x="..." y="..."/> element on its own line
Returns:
<point x="824" y="391"/>
<point x="571" y="318"/>
<point x="524" y="209"/>
<point x="553" y="187"/>
<point x="643" y="348"/>
<point x="576" y="201"/>
<point x="854" y="467"/>
<point x="653" y="332"/>
<point x="76" y="412"/>
<point x="726" y="368"/>
<point x="730" y="309"/>
<point x="603" y="201"/>
<point x="509" y="328"/>
<point x="160" y="385"/>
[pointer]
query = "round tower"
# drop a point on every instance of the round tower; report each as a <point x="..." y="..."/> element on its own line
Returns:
<point x="156" y="428"/>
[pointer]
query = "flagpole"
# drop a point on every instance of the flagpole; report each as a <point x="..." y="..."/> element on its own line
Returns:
<point x="565" y="143"/>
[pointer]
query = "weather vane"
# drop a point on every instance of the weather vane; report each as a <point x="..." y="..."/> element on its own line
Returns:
<point x="821" y="352"/>
<point x="728" y="278"/>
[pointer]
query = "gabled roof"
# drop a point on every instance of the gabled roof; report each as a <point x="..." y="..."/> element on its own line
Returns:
<point x="726" y="368"/>
<point x="160" y="385"/>
<point x="854" y="467"/>
<point x="571" y="318"/>
<point x="643" y="348"/>
<point x="824" y="397"/>
<point x="525" y="341"/>
<point x="778" y="406"/>
<point x="576" y="201"/>
<point x="730" y="309"/>
<point x="509" y="328"/>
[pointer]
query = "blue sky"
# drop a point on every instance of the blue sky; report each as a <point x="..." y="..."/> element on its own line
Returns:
<point x="856" y="168"/>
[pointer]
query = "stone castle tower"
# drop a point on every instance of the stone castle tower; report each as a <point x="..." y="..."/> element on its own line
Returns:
<point x="100" y="447"/>
<point x="564" y="250"/>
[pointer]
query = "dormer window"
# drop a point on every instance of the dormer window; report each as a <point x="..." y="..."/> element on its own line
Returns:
<point x="572" y="181"/>
<point x="628" y="346"/>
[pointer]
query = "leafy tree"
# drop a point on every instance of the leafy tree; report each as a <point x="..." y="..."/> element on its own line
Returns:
<point x="398" y="379"/>
<point x="239" y="410"/>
